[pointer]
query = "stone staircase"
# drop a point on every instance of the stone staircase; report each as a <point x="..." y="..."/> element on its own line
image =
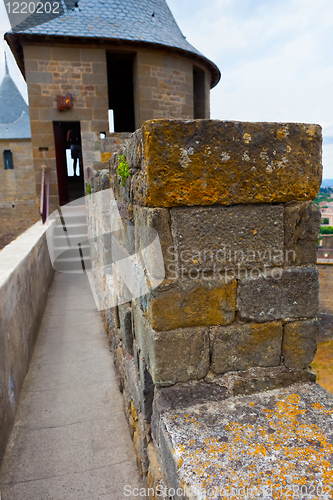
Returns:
<point x="71" y="242"/>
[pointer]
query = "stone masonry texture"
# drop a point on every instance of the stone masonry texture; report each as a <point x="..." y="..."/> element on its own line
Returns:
<point x="162" y="85"/>
<point x="157" y="219"/>
<point x="174" y="356"/>
<point x="125" y="319"/>
<point x="301" y="226"/>
<point x="192" y="303"/>
<point x="249" y="444"/>
<point x="293" y="295"/>
<point x="213" y="238"/>
<point x="300" y="343"/>
<point x="18" y="199"/>
<point x="207" y="162"/>
<point x="243" y="346"/>
<point x="53" y="71"/>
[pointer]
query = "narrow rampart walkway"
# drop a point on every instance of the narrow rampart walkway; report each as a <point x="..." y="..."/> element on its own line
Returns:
<point x="70" y="440"/>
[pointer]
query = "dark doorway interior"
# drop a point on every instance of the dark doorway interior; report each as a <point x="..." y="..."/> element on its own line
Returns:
<point x="121" y="94"/>
<point x="70" y="186"/>
<point x="199" y="93"/>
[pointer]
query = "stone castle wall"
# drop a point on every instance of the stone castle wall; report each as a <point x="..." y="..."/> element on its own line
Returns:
<point x="234" y="312"/>
<point x="53" y="71"/>
<point x="163" y="88"/>
<point x="18" y="198"/>
<point x="25" y="276"/>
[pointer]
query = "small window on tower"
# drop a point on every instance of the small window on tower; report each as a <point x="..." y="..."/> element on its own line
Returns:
<point x="8" y="159"/>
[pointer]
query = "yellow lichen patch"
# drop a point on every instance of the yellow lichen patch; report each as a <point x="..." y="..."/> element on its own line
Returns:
<point x="105" y="156"/>
<point x="287" y="450"/>
<point x="311" y="130"/>
<point x="179" y="169"/>
<point x="281" y="134"/>
<point x="134" y="416"/>
<point x="198" y="305"/>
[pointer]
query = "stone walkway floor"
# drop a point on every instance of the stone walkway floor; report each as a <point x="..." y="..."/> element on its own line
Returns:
<point x="70" y="438"/>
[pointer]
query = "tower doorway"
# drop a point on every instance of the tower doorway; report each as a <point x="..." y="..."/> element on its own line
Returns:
<point x="68" y="150"/>
<point x="121" y="92"/>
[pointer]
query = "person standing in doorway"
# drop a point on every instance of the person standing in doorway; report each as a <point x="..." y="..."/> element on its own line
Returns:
<point x="73" y="137"/>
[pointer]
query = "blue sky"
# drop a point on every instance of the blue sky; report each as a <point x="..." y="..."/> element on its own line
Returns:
<point x="276" y="59"/>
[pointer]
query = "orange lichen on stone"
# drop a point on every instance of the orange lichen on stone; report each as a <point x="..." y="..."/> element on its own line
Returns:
<point x="197" y="304"/>
<point x="105" y="156"/>
<point x="278" y="448"/>
<point x="206" y="162"/>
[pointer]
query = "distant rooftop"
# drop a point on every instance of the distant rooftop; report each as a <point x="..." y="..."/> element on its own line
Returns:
<point x="147" y="21"/>
<point x="14" y="111"/>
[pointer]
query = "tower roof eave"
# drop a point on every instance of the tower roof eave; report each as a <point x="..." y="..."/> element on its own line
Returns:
<point x="148" y="22"/>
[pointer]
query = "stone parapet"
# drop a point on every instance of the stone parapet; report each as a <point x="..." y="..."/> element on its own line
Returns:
<point x="26" y="273"/>
<point x="273" y="444"/>
<point x="232" y="295"/>
<point x="209" y="162"/>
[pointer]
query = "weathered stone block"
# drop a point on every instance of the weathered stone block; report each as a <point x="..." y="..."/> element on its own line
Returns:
<point x="264" y="379"/>
<point x="143" y="443"/>
<point x="104" y="180"/>
<point x="154" y="476"/>
<point x="301" y="225"/>
<point x="146" y="390"/>
<point x="131" y="383"/>
<point x="228" y="448"/>
<point x="206" y="162"/>
<point x="125" y="210"/>
<point x="157" y="219"/>
<point x="292" y="294"/>
<point x="188" y="303"/>
<point x="125" y="320"/>
<point x="174" y="356"/>
<point x="214" y="238"/>
<point x="242" y="346"/>
<point x="300" y="343"/>
<point x="259" y="379"/>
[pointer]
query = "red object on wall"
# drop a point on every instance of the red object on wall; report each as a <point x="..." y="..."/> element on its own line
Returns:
<point x="64" y="102"/>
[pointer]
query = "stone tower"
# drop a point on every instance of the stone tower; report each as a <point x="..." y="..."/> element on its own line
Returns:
<point x="18" y="208"/>
<point x="120" y="58"/>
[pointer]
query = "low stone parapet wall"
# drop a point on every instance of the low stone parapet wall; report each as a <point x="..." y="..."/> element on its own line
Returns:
<point x="25" y="276"/>
<point x="232" y="309"/>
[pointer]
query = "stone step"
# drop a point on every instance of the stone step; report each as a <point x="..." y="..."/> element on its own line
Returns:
<point x="72" y="229"/>
<point x="67" y="253"/>
<point x="71" y="264"/>
<point x="72" y="218"/>
<point x="61" y="239"/>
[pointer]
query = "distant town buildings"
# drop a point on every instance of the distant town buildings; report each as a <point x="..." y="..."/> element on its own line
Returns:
<point x="327" y="214"/>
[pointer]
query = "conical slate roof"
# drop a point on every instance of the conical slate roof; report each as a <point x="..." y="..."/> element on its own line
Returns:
<point x="148" y="21"/>
<point x="14" y="111"/>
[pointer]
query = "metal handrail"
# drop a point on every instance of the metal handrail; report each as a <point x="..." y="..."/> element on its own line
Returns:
<point x="44" y="203"/>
